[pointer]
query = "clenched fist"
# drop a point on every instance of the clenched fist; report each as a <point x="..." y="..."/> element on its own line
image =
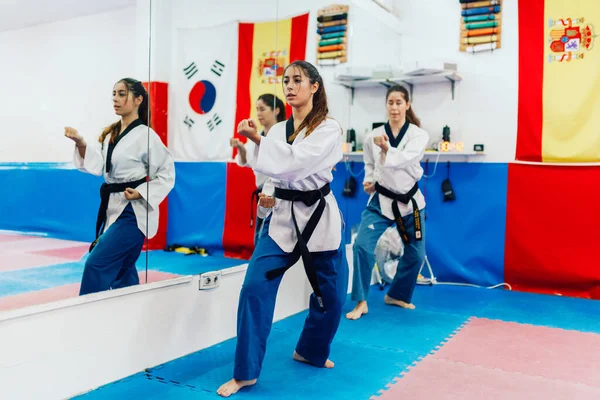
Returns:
<point x="382" y="142"/>
<point x="247" y="128"/>
<point x="235" y="142"/>
<point x="132" y="194"/>
<point x="72" y="134"/>
<point x="266" y="201"/>
<point x="369" y="187"/>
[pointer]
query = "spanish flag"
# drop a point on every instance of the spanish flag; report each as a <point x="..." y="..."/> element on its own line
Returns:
<point x="559" y="81"/>
<point x="264" y="50"/>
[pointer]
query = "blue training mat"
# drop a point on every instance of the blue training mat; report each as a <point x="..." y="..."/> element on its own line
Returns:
<point x="391" y="344"/>
<point x="369" y="353"/>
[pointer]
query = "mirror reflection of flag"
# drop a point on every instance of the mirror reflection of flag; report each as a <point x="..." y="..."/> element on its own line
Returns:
<point x="203" y="95"/>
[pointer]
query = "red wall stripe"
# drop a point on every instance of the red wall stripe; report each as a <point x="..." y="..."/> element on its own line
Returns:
<point x="298" y="37"/>
<point x="552" y="224"/>
<point x="238" y="236"/>
<point x="159" y="106"/>
<point x="531" y="77"/>
<point x="297" y="44"/>
<point x="243" y="100"/>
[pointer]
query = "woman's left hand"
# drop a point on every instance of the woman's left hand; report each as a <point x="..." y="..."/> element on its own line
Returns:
<point x="132" y="194"/>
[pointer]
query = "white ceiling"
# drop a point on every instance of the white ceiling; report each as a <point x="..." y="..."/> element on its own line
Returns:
<point x="17" y="14"/>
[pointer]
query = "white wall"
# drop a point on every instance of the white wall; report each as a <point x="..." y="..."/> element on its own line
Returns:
<point x="67" y="77"/>
<point x="60" y="74"/>
<point x="18" y="14"/>
<point x="485" y="107"/>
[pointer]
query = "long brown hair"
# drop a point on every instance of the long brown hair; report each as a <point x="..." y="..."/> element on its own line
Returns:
<point x="410" y="114"/>
<point x="137" y="88"/>
<point x="319" y="110"/>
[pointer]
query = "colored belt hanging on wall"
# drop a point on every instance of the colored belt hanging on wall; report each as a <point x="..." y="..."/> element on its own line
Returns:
<point x="332" y="35"/>
<point x="481" y="25"/>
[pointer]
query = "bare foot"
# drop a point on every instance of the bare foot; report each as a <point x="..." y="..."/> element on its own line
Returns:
<point x="298" y="357"/>
<point x="360" y="310"/>
<point x="399" y="303"/>
<point x="231" y="387"/>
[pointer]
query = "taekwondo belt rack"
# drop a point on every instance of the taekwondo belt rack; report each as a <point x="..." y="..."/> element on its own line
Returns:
<point x="480" y="28"/>
<point x="332" y="35"/>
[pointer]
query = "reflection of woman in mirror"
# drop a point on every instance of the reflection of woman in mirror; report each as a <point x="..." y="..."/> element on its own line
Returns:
<point x="128" y="198"/>
<point x="298" y="156"/>
<point x="392" y="155"/>
<point x="269" y="111"/>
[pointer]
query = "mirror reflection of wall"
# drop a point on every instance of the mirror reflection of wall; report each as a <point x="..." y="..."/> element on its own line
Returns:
<point x="209" y="71"/>
<point x="63" y="64"/>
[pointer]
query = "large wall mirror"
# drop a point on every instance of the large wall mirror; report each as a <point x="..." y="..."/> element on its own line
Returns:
<point x="117" y="155"/>
<point x="74" y="78"/>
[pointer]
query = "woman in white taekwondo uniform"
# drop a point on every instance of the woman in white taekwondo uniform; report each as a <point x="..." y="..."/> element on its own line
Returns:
<point x="132" y="189"/>
<point x="269" y="111"/>
<point x="392" y="155"/>
<point x="298" y="155"/>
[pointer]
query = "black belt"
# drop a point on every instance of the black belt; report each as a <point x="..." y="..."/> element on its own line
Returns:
<point x="404" y="198"/>
<point x="301" y="249"/>
<point x="105" y="190"/>
<point x="253" y="204"/>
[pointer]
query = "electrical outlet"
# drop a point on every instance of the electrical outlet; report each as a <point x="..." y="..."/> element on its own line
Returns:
<point x="210" y="280"/>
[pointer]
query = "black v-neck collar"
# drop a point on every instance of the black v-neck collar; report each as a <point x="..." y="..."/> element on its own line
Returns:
<point x="289" y="129"/>
<point x="395" y="141"/>
<point x="111" y="146"/>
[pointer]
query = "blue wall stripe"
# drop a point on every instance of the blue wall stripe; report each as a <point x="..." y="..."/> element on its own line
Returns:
<point x="465" y="238"/>
<point x="197" y="206"/>
<point x="50" y="199"/>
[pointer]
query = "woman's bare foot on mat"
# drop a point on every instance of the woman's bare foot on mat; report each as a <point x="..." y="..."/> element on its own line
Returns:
<point x="231" y="387"/>
<point x="360" y="310"/>
<point x="298" y="357"/>
<point x="399" y="303"/>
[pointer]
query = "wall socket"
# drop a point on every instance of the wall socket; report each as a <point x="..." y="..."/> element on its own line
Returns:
<point x="210" y="280"/>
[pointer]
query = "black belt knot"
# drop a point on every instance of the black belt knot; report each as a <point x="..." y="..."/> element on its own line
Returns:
<point x="404" y="199"/>
<point x="309" y="197"/>
<point x="105" y="190"/>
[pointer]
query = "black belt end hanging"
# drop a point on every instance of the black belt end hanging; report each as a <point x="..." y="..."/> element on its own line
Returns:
<point x="254" y="204"/>
<point x="404" y="198"/>
<point x="301" y="249"/>
<point x="418" y="228"/>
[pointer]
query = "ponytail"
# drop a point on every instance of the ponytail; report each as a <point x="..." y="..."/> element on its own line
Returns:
<point x="112" y="130"/>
